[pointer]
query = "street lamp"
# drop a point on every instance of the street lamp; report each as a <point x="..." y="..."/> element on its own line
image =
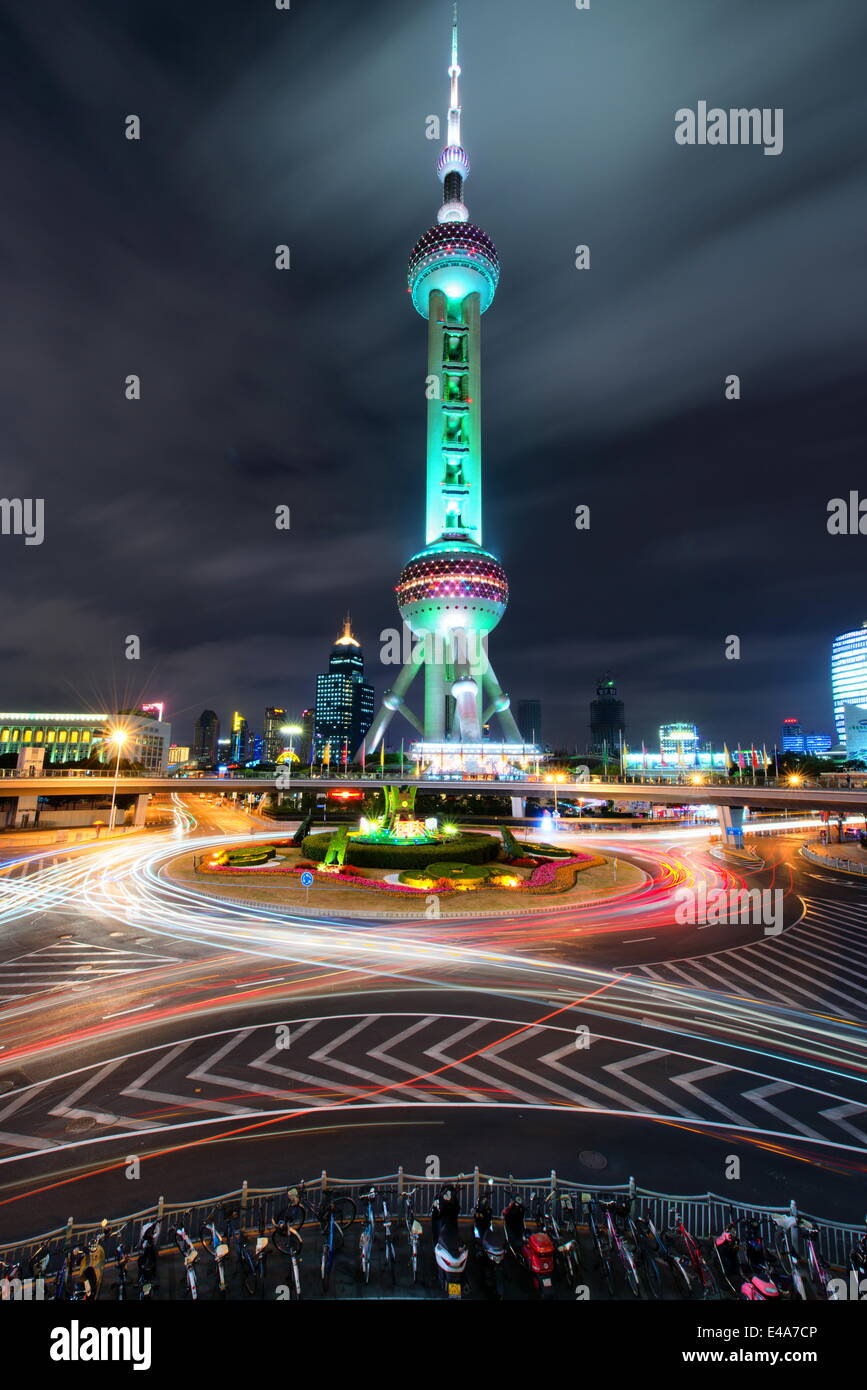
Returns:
<point x="291" y="730"/>
<point x="118" y="736"/>
<point x="560" y="777"/>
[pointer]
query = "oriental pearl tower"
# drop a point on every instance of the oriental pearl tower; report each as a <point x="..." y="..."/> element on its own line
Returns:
<point x="452" y="593"/>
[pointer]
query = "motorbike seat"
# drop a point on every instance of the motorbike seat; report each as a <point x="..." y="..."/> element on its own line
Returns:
<point x="450" y="1240"/>
<point x="494" y="1241"/>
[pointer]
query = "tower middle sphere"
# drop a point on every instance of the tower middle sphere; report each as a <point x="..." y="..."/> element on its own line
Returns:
<point x="452" y="584"/>
<point x="457" y="258"/>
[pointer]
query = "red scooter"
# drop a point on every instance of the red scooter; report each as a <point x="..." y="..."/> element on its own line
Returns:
<point x="533" y="1253"/>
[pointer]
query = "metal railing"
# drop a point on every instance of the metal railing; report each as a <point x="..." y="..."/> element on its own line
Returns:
<point x="849" y="866"/>
<point x="704" y="1214"/>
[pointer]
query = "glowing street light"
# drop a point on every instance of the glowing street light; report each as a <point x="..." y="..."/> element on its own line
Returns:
<point x="291" y="730"/>
<point x="119" y="737"/>
<point x="555" y="778"/>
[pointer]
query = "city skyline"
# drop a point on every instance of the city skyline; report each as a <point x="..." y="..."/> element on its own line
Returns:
<point x="719" y="480"/>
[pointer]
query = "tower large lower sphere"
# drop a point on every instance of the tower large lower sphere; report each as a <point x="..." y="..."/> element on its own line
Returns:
<point x="453" y="593"/>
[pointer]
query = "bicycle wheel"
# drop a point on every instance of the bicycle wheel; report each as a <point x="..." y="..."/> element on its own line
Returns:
<point x="327" y="1262"/>
<point x="708" y="1280"/>
<point x="602" y="1255"/>
<point x="681" y="1275"/>
<point x="630" y="1273"/>
<point x="649" y="1271"/>
<point x="344" y="1212"/>
<point x="296" y="1215"/>
<point x="252" y="1281"/>
<point x="204" y="1241"/>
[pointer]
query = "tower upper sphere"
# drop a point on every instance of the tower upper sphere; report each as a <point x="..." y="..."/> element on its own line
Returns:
<point x="455" y="256"/>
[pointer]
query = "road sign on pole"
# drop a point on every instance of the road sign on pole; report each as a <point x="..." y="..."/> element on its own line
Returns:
<point x="307" y="882"/>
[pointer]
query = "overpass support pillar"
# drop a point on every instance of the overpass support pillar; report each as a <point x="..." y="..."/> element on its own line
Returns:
<point x="26" y="811"/>
<point x="140" y="810"/>
<point x="519" y="807"/>
<point x="731" y="824"/>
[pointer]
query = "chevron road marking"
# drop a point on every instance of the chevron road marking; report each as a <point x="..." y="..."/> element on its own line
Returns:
<point x="759" y="1097"/>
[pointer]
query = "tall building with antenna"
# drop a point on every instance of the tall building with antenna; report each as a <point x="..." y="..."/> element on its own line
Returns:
<point x="453" y="593"/>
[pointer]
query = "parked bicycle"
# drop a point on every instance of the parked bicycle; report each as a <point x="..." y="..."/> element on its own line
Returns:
<point x="189" y="1255"/>
<point x="789" y="1229"/>
<point x="336" y="1215"/>
<point x="214" y="1244"/>
<point x="659" y="1249"/>
<point x="413" y="1232"/>
<point x="703" y="1278"/>
<point x="368" y="1234"/>
<point x="556" y="1216"/>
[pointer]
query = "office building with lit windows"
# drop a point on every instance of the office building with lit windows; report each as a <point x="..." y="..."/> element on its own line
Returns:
<point x="66" y="738"/>
<point x="344" y="701"/>
<point x="848" y="675"/>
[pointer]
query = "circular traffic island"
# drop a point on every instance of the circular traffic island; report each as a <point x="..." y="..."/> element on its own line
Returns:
<point x="373" y="853"/>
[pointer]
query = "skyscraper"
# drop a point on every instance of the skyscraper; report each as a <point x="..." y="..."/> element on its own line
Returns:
<point x="273" y="741"/>
<point x="452" y="593"/>
<point x="205" y="738"/>
<point x="607" y="724"/>
<point x="240" y="739"/>
<point x="344" y="700"/>
<point x="530" y="721"/>
<point x="848" y="674"/>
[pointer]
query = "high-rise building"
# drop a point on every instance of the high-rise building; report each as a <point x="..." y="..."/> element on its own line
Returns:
<point x="344" y="700"/>
<point x="453" y="593"/>
<point x="305" y="743"/>
<point x="273" y="742"/>
<point x="848" y="674"/>
<point x="607" y="724"/>
<point x="530" y="721"/>
<point x="206" y="736"/>
<point x="240" y="738"/>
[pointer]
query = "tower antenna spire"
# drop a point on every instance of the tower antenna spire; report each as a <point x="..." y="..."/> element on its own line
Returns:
<point x="453" y="165"/>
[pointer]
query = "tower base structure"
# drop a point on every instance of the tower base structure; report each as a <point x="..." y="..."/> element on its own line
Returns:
<point x="486" y="758"/>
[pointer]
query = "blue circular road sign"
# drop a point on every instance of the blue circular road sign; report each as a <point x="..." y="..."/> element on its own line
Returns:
<point x="306" y="879"/>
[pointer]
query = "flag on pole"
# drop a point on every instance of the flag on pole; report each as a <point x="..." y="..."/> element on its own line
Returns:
<point x="382" y="755"/>
<point x="345" y="755"/>
<point x="728" y="757"/>
<point x="363" y="753"/>
<point x="643" y="756"/>
<point x="326" y="754"/>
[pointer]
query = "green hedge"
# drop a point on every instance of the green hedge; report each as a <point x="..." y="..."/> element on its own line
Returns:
<point x="466" y="849"/>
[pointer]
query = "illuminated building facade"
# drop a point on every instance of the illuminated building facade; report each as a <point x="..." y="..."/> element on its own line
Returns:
<point x="273" y="742"/>
<point x="452" y="593"/>
<point x="239" y="746"/>
<point x="344" y="701"/>
<point x="848" y="675"/>
<point x="65" y="738"/>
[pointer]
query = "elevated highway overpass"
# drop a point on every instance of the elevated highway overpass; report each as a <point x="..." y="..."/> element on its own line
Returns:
<point x="731" y="801"/>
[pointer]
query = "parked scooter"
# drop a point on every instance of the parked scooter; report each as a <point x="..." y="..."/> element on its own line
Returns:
<point x="762" y="1270"/>
<point x="737" y="1277"/>
<point x="533" y="1253"/>
<point x="147" y="1258"/>
<point x="86" y="1269"/>
<point x="450" y="1252"/>
<point x="490" y="1244"/>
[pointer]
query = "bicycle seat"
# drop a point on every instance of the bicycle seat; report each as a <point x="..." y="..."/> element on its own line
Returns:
<point x="785" y="1222"/>
<point x="261" y="1243"/>
<point x="222" y="1251"/>
<point x="416" y="1228"/>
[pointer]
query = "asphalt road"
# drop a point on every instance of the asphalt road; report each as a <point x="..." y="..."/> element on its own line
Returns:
<point x="217" y="1044"/>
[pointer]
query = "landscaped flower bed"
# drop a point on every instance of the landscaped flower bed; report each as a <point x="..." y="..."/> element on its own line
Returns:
<point x="551" y="876"/>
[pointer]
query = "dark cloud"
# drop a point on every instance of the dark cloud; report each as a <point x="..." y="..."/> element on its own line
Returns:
<point x="305" y="388"/>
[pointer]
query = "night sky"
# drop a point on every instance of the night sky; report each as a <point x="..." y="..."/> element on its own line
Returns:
<point x="306" y="387"/>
